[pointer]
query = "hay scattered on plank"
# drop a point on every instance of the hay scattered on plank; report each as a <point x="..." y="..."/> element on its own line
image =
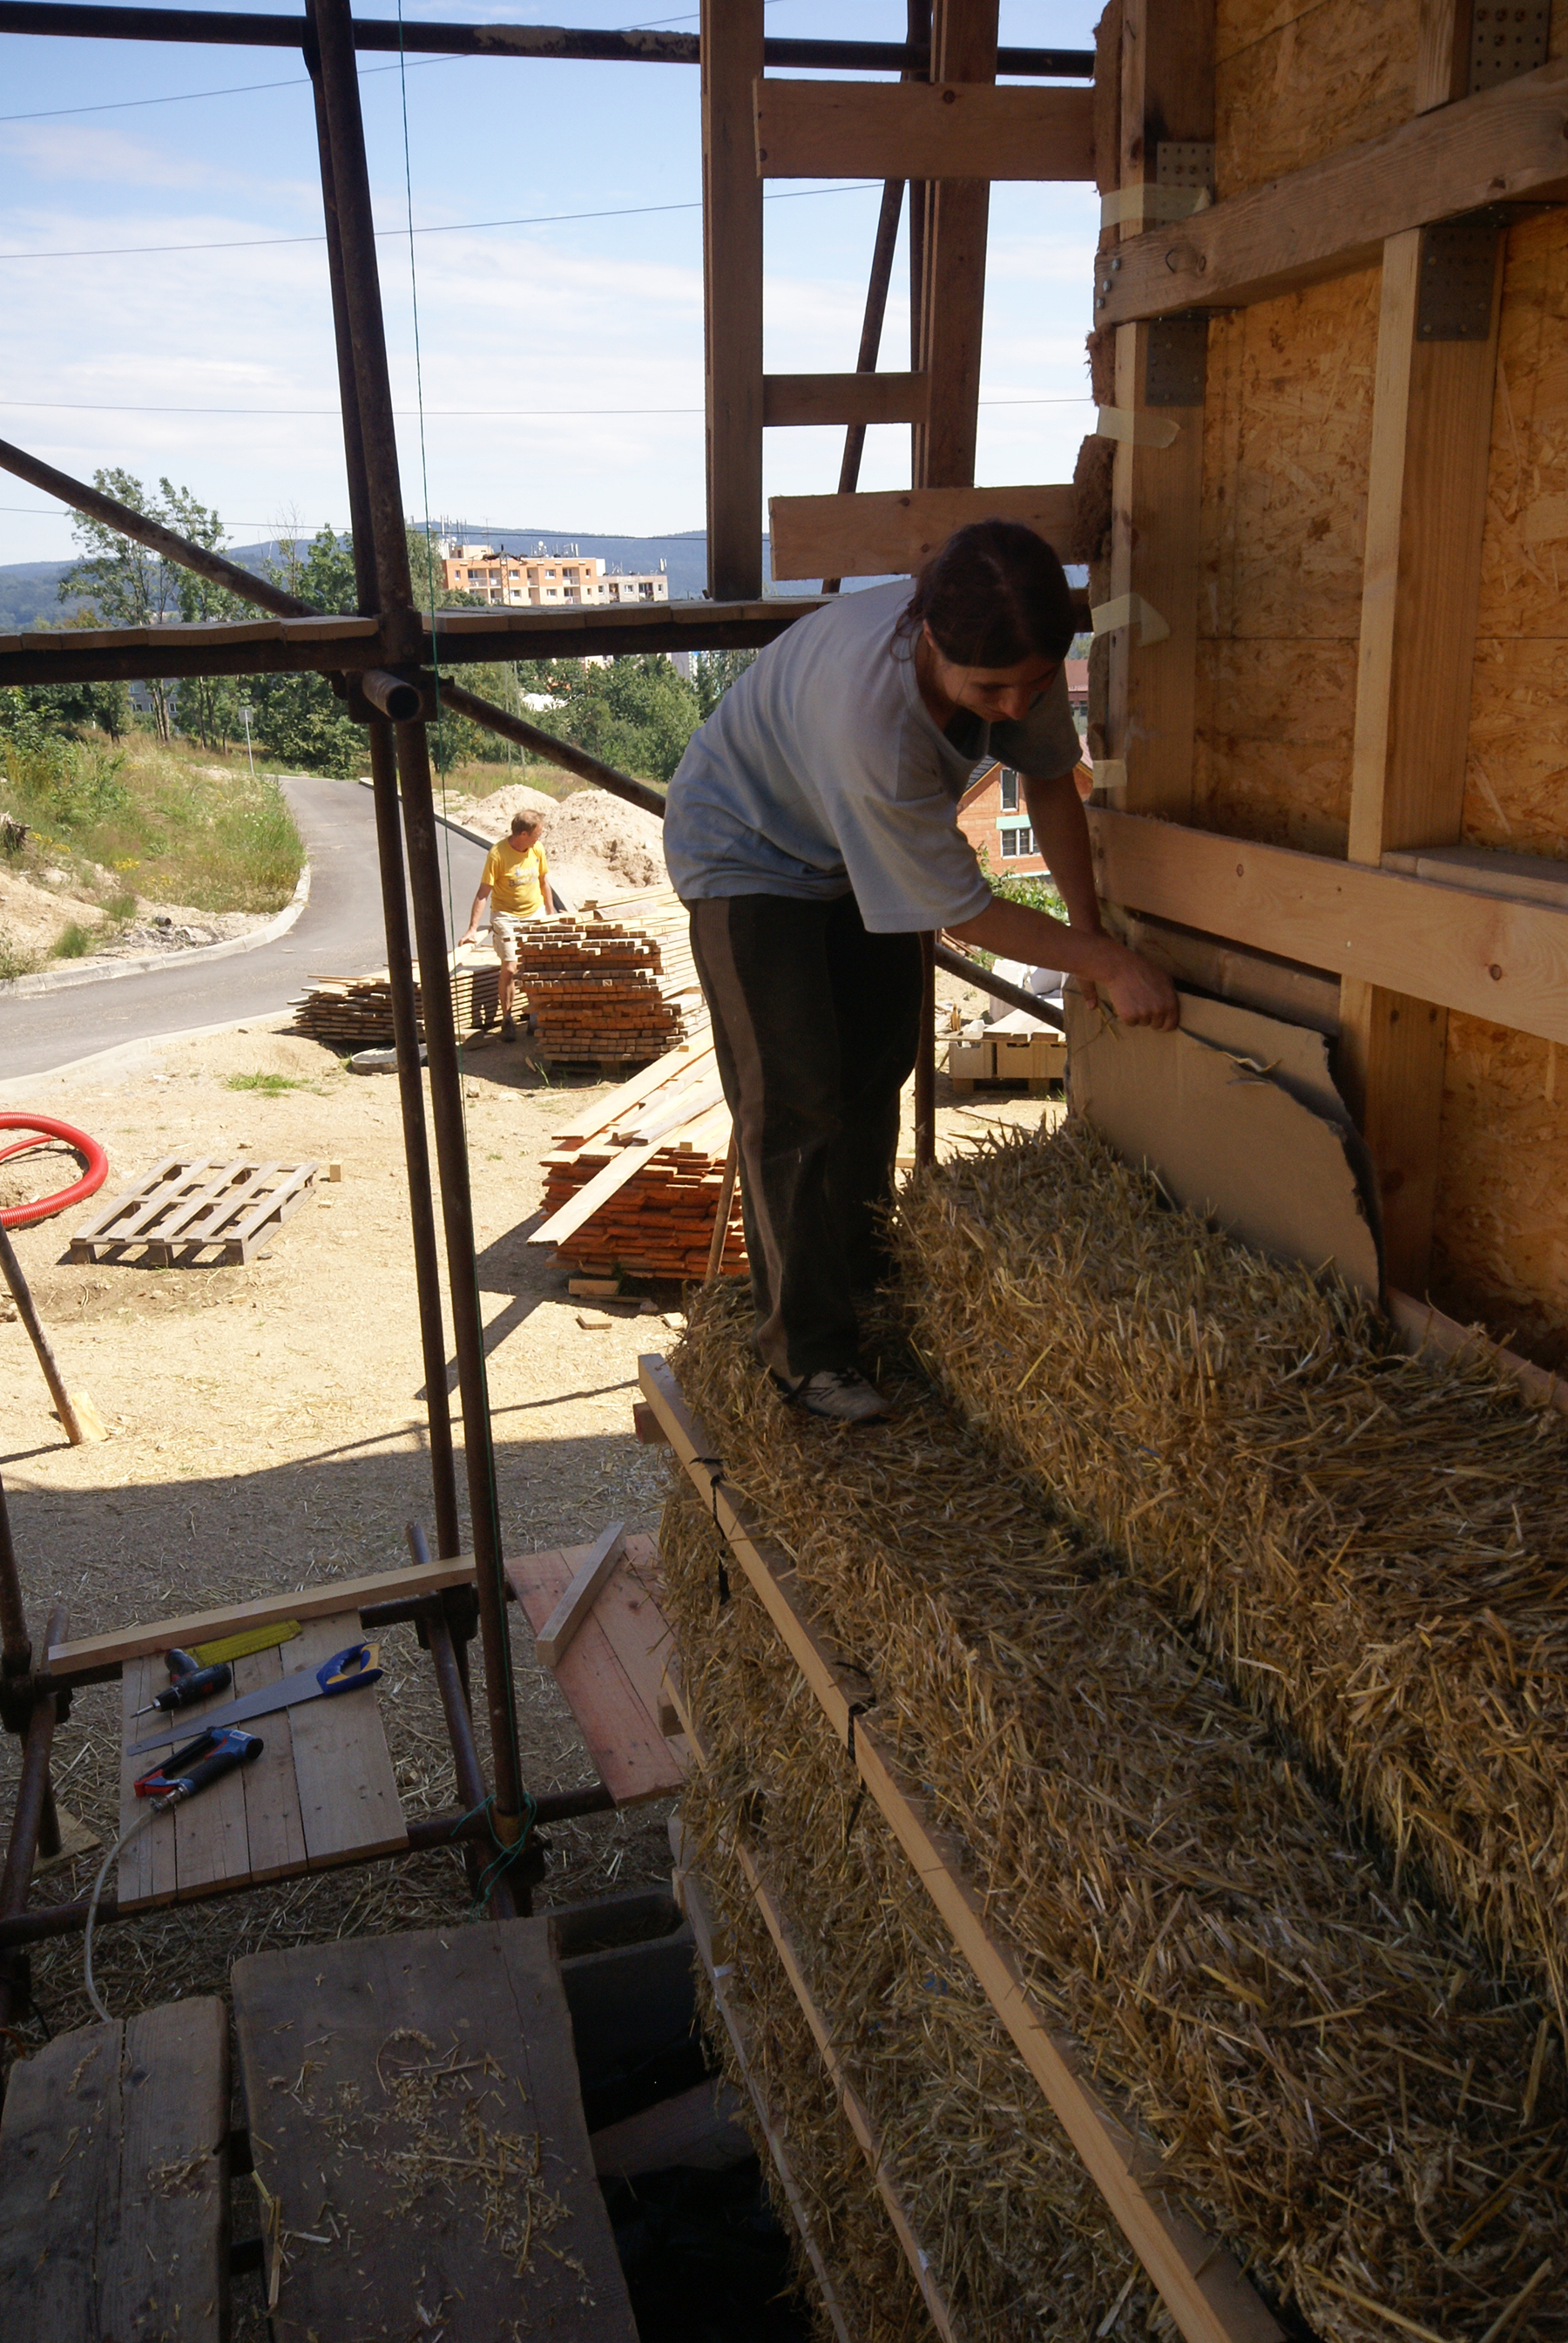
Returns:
<point x="1338" y="2084"/>
<point x="1376" y="1545"/>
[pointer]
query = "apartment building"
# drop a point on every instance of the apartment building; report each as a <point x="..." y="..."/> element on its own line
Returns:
<point x="521" y="579"/>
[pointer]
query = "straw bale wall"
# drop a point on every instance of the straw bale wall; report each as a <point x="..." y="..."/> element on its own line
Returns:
<point x="1375" y="1543"/>
<point x="1338" y="2084"/>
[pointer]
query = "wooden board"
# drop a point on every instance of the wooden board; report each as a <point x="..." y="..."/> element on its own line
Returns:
<point x="554" y="1638"/>
<point x="951" y="316"/>
<point x="1491" y="957"/>
<point x="381" y="2175"/>
<point x="93" y="1655"/>
<point x="610" y="1675"/>
<point x="921" y="130"/>
<point x="321" y="1793"/>
<point x="113" y="2182"/>
<point x="1198" y="2280"/>
<point x="897" y="530"/>
<point x="731" y="53"/>
<point x="1334" y="215"/>
<point x="792" y="399"/>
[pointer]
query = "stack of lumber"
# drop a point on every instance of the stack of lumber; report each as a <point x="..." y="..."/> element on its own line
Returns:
<point x="636" y="1186"/>
<point x="1038" y="1869"/>
<point x="356" y="1012"/>
<point x="612" y="982"/>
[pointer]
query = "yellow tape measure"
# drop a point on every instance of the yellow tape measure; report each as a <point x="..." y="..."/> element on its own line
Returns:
<point x="254" y="1639"/>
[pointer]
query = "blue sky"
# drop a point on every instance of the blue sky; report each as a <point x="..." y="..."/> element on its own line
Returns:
<point x="115" y="355"/>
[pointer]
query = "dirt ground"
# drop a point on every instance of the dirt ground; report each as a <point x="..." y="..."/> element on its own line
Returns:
<point x="266" y="1433"/>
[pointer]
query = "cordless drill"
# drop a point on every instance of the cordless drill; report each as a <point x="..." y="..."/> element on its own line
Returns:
<point x="190" y="1683"/>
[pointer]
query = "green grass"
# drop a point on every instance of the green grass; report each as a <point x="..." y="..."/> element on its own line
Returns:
<point x="14" y="960"/>
<point x="269" y="1085"/>
<point x="73" y="942"/>
<point x="167" y="827"/>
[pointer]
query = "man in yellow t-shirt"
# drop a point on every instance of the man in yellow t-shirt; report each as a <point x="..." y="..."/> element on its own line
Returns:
<point x="515" y="880"/>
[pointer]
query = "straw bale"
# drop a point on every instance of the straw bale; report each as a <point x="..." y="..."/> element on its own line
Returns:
<point x="1017" y="2252"/>
<point x="1501" y="1221"/>
<point x="1337" y="2084"/>
<point x="1375" y="1543"/>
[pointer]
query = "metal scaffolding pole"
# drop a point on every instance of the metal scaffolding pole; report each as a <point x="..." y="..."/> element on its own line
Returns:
<point x="393" y="897"/>
<point x="349" y="194"/>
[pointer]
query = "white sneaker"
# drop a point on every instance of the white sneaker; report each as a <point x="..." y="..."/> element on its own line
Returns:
<point x="841" y="1396"/>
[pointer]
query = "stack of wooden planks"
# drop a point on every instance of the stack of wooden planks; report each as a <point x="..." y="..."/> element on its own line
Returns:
<point x="612" y="982"/>
<point x="635" y="1187"/>
<point x="356" y="1012"/>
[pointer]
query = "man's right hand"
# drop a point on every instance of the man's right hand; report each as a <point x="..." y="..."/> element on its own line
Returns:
<point x="1141" y="993"/>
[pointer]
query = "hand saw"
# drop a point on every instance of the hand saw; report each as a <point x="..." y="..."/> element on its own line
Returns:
<point x="345" y="1671"/>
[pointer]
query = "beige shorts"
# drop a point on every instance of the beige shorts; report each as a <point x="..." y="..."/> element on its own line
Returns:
<point x="504" y="926"/>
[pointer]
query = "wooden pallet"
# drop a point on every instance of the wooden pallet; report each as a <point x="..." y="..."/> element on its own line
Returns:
<point x="321" y="1793"/>
<point x="188" y="1203"/>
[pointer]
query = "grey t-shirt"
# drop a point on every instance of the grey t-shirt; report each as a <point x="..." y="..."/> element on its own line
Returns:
<point x="821" y="772"/>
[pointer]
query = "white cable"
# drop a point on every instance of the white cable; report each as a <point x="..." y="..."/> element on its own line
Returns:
<point x="157" y="1806"/>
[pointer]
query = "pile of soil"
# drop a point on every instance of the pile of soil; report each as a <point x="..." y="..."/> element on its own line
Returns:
<point x="32" y="918"/>
<point x="594" y="844"/>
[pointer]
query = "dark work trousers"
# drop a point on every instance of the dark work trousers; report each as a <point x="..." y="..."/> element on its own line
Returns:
<point x="814" y="1026"/>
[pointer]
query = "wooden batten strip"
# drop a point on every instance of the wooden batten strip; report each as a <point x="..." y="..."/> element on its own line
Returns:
<point x="1484" y="954"/>
<point x="1197" y="2277"/>
<point x="896" y="529"/>
<point x="921" y="130"/>
<point x="1502" y="146"/>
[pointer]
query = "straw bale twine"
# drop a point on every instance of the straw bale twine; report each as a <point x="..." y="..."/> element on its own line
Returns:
<point x="1337" y="2084"/>
<point x="1376" y="1545"/>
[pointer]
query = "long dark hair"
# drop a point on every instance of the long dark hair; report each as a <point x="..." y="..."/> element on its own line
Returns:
<point x="994" y="595"/>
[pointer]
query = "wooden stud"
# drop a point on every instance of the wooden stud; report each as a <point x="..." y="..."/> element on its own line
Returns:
<point x="1167" y="92"/>
<point x="731" y="37"/>
<point x="1505" y="145"/>
<point x="955" y="126"/>
<point x="1198" y="2280"/>
<point x="1426" y="507"/>
<point x="865" y="535"/>
<point x="842" y="398"/>
<point x="956" y="219"/>
<point x="1488" y="955"/>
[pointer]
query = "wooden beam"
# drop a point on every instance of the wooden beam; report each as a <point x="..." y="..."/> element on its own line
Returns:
<point x="784" y="1942"/>
<point x="333" y="1595"/>
<point x="1167" y="94"/>
<point x="1198" y="2280"/>
<point x="1485" y="954"/>
<point x="731" y="37"/>
<point x="555" y="1637"/>
<point x="953" y="248"/>
<point x="1426" y="507"/>
<point x="1504" y="145"/>
<point x="897" y="529"/>
<point x="952" y="128"/>
<point x="842" y="398"/>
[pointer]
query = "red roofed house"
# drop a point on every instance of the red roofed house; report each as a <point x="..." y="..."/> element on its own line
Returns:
<point x="991" y="812"/>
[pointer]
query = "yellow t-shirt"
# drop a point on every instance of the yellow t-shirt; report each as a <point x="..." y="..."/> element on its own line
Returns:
<point x="514" y="878"/>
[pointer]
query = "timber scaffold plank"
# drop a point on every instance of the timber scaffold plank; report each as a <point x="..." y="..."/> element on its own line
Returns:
<point x="1198" y="2280"/>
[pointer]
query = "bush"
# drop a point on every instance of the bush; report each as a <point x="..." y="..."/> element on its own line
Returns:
<point x="73" y="942"/>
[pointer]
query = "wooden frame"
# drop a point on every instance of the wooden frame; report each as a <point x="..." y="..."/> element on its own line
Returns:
<point x="731" y="40"/>
<point x="865" y="535"/>
<point x="1197" y="2278"/>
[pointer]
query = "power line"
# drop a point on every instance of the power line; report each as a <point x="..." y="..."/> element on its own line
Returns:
<point x="448" y="228"/>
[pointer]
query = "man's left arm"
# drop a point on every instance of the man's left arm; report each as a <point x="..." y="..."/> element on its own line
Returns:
<point x="1061" y="837"/>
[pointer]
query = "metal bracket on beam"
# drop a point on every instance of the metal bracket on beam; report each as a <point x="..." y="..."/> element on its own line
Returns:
<point x="1458" y="264"/>
<point x="1505" y="42"/>
<point x="1185" y="163"/>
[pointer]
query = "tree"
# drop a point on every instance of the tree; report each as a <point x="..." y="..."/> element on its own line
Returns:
<point x="637" y="712"/>
<point x="712" y="673"/>
<point x="299" y="718"/>
<point x="129" y="585"/>
<point x="208" y="708"/>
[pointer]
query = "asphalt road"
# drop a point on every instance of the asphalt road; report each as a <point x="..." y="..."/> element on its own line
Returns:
<point x="339" y="933"/>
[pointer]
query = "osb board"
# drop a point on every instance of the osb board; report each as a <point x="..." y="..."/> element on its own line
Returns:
<point x="1287" y="439"/>
<point x="1516" y="790"/>
<point x="1273" y="756"/>
<point x="1292" y="83"/>
<point x="1501" y="1229"/>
